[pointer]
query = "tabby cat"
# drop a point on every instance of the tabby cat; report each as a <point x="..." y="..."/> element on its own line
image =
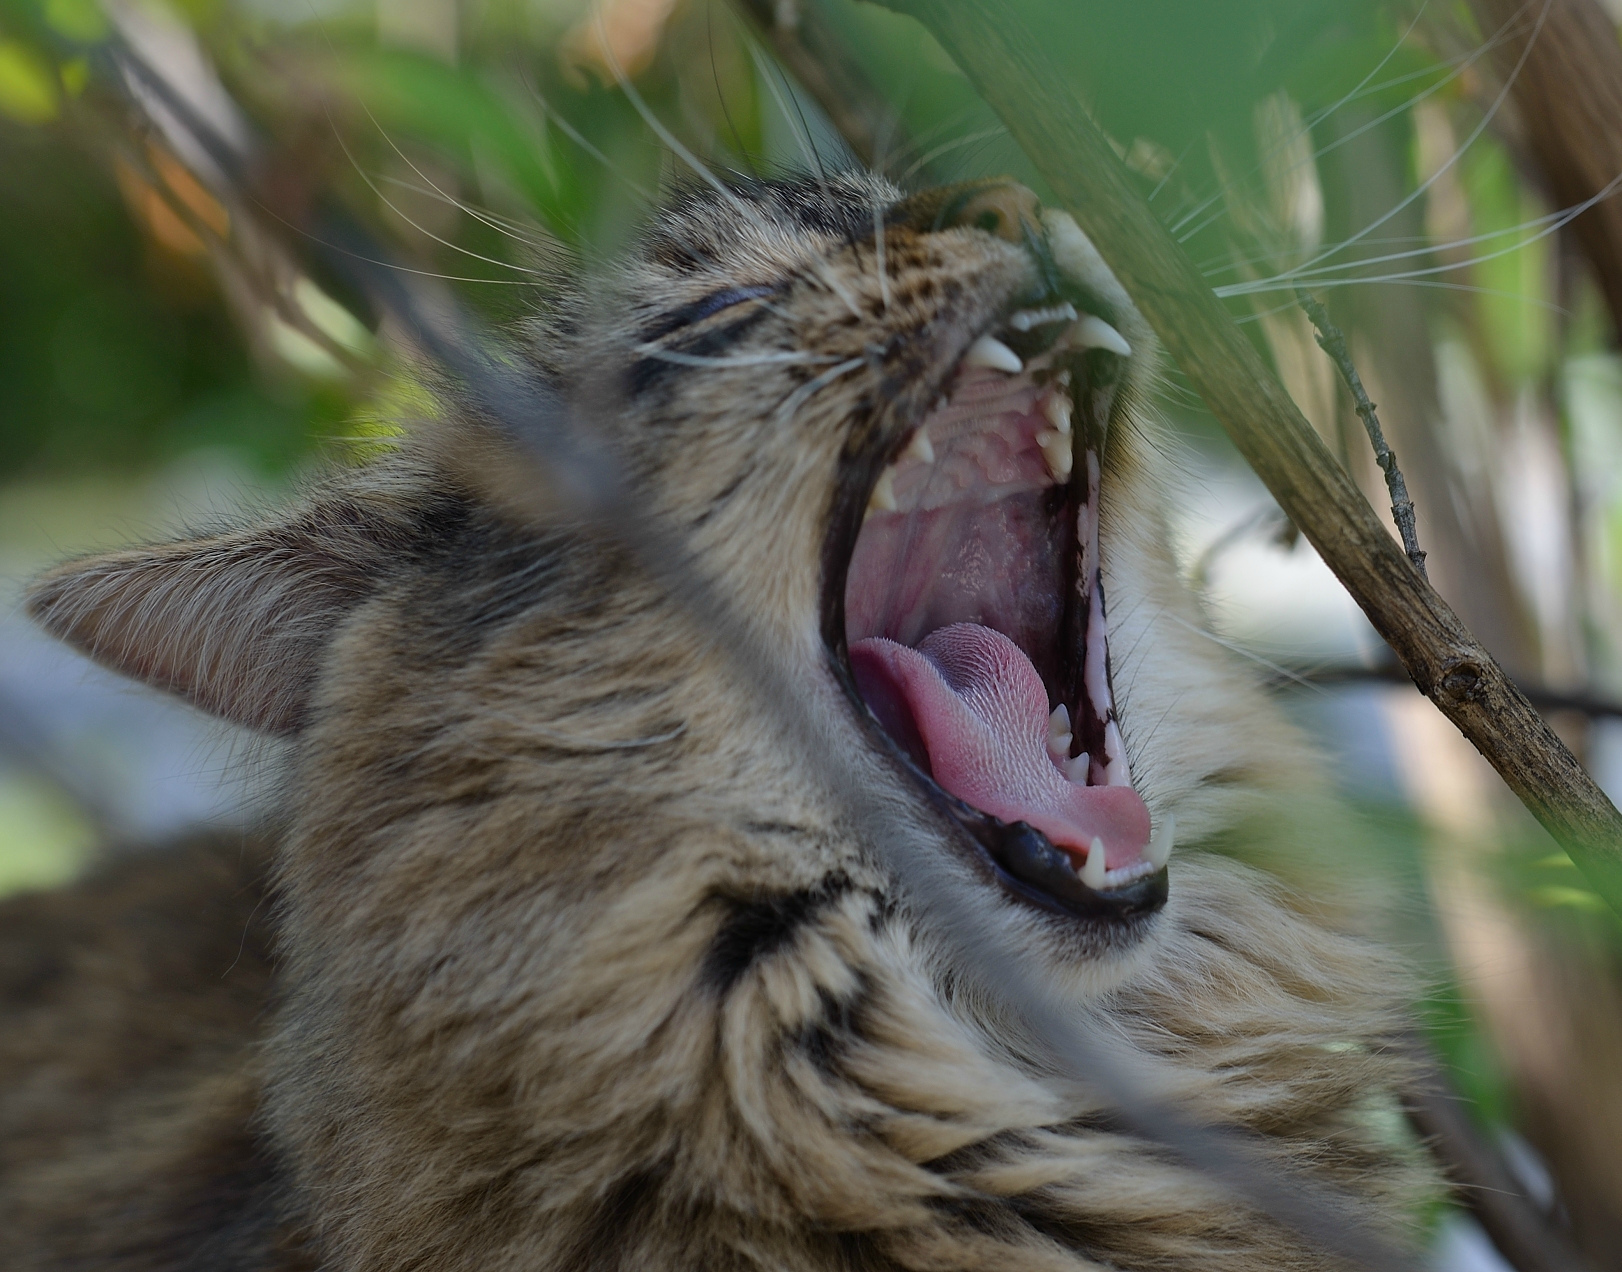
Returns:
<point x="578" y="963"/>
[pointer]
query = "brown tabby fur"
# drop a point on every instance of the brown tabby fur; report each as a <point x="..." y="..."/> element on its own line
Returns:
<point x="577" y="967"/>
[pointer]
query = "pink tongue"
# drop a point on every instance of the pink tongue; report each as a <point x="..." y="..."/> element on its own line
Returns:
<point x="973" y="700"/>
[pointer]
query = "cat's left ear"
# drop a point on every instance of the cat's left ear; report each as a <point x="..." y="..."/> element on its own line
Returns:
<point x="234" y="622"/>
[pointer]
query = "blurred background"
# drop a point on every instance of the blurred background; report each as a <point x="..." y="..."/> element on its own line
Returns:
<point x="1438" y="173"/>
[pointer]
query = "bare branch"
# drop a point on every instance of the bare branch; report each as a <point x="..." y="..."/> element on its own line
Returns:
<point x="991" y="42"/>
<point x="1333" y="342"/>
<point x="1541" y="698"/>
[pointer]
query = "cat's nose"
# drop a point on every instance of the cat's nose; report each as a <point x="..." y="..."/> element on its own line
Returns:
<point x="997" y="205"/>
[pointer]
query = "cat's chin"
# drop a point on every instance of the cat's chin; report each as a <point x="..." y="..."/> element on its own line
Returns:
<point x="970" y="618"/>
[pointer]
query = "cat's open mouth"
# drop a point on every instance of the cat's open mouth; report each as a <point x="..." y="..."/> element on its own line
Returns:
<point x="976" y="623"/>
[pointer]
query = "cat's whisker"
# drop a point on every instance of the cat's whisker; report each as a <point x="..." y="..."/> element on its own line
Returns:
<point x="1551" y="223"/>
<point x="575" y="135"/>
<point x="508" y="227"/>
<point x="1462" y="66"/>
<point x="768" y="358"/>
<point x="1447" y="164"/>
<point x="947" y="147"/>
<point x="423" y="229"/>
<point x="803" y="394"/>
<point x="1236" y="648"/>
<point x="878" y="254"/>
<point x="574" y="742"/>
<point x="443" y="195"/>
<point x="648" y="117"/>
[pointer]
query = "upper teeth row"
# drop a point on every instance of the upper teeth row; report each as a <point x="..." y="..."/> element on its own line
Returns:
<point x="1088" y="332"/>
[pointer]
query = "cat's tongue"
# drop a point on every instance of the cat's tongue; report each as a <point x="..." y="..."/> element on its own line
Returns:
<point x="977" y="707"/>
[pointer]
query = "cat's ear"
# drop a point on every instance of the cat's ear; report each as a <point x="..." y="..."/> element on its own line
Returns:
<point x="235" y="622"/>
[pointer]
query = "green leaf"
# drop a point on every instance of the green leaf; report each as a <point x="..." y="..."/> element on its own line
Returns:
<point x="27" y="85"/>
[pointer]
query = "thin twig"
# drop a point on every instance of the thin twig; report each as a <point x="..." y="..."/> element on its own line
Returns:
<point x="1011" y="68"/>
<point x="1333" y="342"/>
<point x="1543" y="699"/>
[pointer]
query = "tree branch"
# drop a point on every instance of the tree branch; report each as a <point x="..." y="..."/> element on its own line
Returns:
<point x="991" y="42"/>
<point x="1333" y="342"/>
<point x="1541" y="698"/>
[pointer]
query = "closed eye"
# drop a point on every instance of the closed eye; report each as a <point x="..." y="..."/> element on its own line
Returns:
<point x="706" y="307"/>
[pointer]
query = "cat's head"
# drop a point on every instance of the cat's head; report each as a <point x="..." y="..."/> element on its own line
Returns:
<point x="905" y="438"/>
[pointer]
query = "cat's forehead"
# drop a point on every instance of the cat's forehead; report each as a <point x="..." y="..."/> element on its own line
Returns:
<point x="760" y="226"/>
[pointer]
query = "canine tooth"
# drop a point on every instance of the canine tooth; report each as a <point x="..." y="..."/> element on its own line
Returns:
<point x="883" y="496"/>
<point x="1115" y="770"/>
<point x="1059" y="721"/>
<point x="1093" y="872"/>
<point x="1057" y="408"/>
<point x="1092" y="332"/>
<point x="988" y="351"/>
<point x="1158" y="853"/>
<point x="920" y="448"/>
<point x="1056" y="449"/>
<point x="1059" y="732"/>
<point x="1075" y="770"/>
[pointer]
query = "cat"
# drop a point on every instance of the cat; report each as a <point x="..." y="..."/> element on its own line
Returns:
<point x="579" y="961"/>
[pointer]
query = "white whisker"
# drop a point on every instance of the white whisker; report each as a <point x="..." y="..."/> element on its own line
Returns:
<point x="1235" y="648"/>
<point x="505" y="226"/>
<point x="574" y="134"/>
<point x="802" y="134"/>
<point x="878" y="253"/>
<point x="664" y="134"/>
<point x="1554" y="222"/>
<point x="769" y="358"/>
<point x="1446" y="165"/>
<point x="954" y="144"/>
<point x="801" y="395"/>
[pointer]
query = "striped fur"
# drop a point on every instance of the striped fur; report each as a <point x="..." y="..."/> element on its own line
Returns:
<point x="580" y="969"/>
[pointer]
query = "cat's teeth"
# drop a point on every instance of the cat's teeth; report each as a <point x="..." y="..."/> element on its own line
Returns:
<point x="1115" y="771"/>
<point x="1158" y="853"/>
<point x="1092" y="873"/>
<point x="1059" y="453"/>
<point x="1025" y="319"/>
<point x="1092" y="332"/>
<point x="1057" y="408"/>
<point x="1126" y="874"/>
<point x="920" y="448"/>
<point x="883" y="497"/>
<point x="1075" y="770"/>
<point x="1059" y="732"/>
<point x="988" y="351"/>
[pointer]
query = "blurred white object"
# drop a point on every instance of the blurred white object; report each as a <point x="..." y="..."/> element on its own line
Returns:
<point x="1461" y="1246"/>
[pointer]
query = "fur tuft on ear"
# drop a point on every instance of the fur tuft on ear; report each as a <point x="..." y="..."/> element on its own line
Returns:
<point x="236" y="622"/>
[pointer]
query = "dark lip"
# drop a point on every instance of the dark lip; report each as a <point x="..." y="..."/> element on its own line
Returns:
<point x="1022" y="861"/>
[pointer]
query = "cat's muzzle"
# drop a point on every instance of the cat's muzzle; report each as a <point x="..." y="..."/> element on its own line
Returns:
<point x="975" y="622"/>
